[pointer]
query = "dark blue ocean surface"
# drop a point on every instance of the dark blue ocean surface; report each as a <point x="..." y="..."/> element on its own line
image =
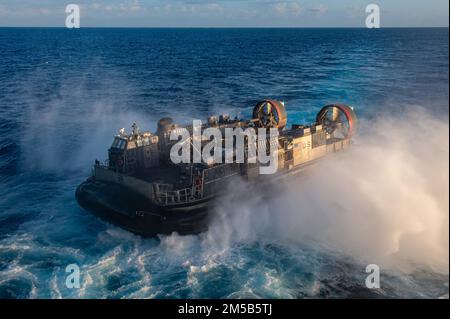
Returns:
<point x="64" y="93"/>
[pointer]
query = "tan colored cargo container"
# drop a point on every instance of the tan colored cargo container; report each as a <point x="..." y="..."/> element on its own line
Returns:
<point x="302" y="149"/>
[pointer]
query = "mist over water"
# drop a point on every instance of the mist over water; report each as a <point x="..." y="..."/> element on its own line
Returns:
<point x="384" y="201"/>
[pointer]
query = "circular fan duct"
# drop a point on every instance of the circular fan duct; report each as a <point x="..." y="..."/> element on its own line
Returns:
<point x="338" y="120"/>
<point x="270" y="114"/>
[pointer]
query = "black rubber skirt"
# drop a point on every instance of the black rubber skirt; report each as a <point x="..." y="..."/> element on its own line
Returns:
<point x="126" y="209"/>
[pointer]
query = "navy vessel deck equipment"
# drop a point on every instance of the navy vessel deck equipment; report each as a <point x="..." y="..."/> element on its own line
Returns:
<point x="140" y="189"/>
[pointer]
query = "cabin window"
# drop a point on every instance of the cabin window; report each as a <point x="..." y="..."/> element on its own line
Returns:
<point x="122" y="144"/>
<point x="119" y="143"/>
<point x="115" y="143"/>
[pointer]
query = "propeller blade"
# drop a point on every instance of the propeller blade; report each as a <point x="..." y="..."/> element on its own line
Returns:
<point x="335" y="115"/>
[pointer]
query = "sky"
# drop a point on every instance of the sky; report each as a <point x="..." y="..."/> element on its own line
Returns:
<point x="225" y="13"/>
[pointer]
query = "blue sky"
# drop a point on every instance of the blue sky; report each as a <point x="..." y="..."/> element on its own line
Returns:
<point x="224" y="13"/>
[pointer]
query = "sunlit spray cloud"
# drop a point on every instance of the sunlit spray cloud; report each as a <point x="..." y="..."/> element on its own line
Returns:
<point x="385" y="201"/>
<point x="75" y="125"/>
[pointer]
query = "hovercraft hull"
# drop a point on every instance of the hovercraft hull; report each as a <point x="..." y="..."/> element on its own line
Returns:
<point x="121" y="207"/>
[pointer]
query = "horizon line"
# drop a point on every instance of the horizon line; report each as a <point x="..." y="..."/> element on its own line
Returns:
<point x="226" y="27"/>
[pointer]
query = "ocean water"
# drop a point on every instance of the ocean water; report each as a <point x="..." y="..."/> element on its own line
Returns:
<point x="65" y="93"/>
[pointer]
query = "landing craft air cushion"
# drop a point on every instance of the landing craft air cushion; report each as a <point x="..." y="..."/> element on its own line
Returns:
<point x="139" y="187"/>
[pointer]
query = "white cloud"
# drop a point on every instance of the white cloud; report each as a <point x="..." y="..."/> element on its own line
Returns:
<point x="190" y="8"/>
<point x="215" y="12"/>
<point x="27" y="12"/>
<point x="3" y="11"/>
<point x="320" y="9"/>
<point x="292" y="8"/>
<point x="126" y="6"/>
<point x="200" y="9"/>
<point x="135" y="6"/>
<point x="214" y="7"/>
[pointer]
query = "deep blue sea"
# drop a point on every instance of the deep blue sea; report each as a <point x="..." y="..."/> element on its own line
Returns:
<point x="65" y="93"/>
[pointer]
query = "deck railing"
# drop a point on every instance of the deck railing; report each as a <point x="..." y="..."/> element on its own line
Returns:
<point x="165" y="195"/>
